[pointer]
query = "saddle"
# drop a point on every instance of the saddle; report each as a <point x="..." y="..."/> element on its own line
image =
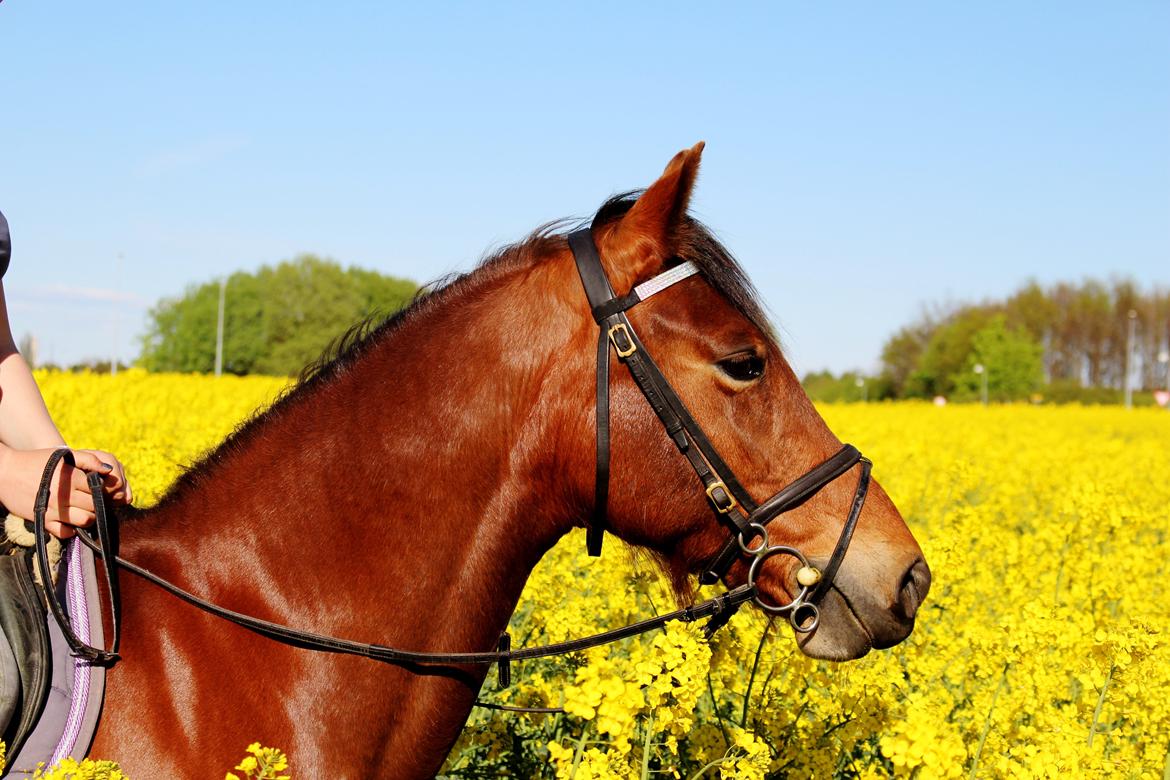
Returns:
<point x="50" y="697"/>
<point x="51" y="680"/>
<point x="25" y="658"/>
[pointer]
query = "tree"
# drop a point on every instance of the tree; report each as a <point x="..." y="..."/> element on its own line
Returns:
<point x="901" y="353"/>
<point x="946" y="353"/>
<point x="181" y="332"/>
<point x="1082" y="328"/>
<point x="276" y="320"/>
<point x="1011" y="358"/>
<point x="1032" y="309"/>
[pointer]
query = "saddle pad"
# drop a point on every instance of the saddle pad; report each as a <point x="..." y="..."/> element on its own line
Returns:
<point x="71" y="711"/>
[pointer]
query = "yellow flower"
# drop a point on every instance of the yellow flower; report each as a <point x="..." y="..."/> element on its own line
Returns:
<point x="1041" y="651"/>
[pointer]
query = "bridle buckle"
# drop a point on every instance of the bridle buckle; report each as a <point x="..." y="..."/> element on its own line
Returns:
<point x="630" y="347"/>
<point x="721" y="497"/>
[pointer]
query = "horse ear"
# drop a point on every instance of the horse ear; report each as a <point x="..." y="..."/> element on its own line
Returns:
<point x="648" y="234"/>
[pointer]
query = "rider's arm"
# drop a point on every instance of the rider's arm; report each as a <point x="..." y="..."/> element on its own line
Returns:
<point x="25" y="423"/>
<point x="28" y="435"/>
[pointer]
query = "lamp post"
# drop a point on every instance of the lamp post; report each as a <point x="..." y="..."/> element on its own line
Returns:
<point x="863" y="388"/>
<point x="114" y="352"/>
<point x="1164" y="359"/>
<point x="982" y="372"/>
<point x="219" y="328"/>
<point x="1129" y="339"/>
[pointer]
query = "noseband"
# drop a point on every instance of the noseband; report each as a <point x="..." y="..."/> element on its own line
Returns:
<point x="733" y="506"/>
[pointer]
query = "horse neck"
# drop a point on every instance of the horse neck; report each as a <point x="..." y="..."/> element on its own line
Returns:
<point x="426" y="474"/>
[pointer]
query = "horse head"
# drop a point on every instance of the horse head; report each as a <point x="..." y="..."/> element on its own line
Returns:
<point x="712" y="342"/>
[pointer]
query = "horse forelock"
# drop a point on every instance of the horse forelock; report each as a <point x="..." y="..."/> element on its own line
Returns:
<point x="697" y="243"/>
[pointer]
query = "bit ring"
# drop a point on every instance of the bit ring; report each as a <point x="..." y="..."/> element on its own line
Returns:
<point x="761" y="531"/>
<point x="804" y="618"/>
<point x="802" y="615"/>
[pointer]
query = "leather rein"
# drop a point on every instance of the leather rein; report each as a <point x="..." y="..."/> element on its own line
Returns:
<point x="746" y="520"/>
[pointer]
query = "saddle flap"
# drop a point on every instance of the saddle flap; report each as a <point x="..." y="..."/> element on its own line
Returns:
<point x="22" y="619"/>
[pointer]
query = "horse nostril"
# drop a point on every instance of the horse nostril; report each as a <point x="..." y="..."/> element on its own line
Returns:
<point x="915" y="584"/>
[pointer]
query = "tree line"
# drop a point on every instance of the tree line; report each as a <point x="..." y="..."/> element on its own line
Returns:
<point x="276" y="320"/>
<point x="1062" y="342"/>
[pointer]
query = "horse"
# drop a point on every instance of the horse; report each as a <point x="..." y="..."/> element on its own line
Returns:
<point x="403" y="490"/>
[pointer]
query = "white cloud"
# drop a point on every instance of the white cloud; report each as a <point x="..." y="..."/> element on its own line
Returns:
<point x="63" y="292"/>
<point x="196" y="154"/>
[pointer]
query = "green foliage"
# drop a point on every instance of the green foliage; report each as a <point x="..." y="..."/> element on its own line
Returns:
<point x="276" y="320"/>
<point x="946" y="355"/>
<point x="1083" y="331"/>
<point x="1065" y="391"/>
<point x="902" y="351"/>
<point x="825" y="387"/>
<point x="1012" y="360"/>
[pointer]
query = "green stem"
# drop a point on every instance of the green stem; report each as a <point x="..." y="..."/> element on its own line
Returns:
<point x="646" y="747"/>
<point x="579" y="753"/>
<point x="712" y="765"/>
<point x="554" y="727"/>
<point x="833" y="728"/>
<point x="1100" y="704"/>
<point x="653" y="606"/>
<point x="718" y="714"/>
<point x="772" y="673"/>
<point x="747" y="697"/>
<point x="987" y="723"/>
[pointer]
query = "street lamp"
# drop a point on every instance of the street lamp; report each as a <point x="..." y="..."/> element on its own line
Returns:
<point x="1129" y="339"/>
<point x="219" y="328"/>
<point x="118" y="285"/>
<point x="982" y="373"/>
<point x="863" y="388"/>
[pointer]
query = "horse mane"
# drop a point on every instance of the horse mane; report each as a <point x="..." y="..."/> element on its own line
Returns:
<point x="696" y="243"/>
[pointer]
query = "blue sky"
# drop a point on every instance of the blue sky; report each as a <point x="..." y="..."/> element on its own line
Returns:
<point x="863" y="159"/>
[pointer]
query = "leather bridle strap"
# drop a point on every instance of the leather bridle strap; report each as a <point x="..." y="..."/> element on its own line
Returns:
<point x="615" y="329"/>
<point x="609" y="313"/>
<point x="311" y="641"/>
<point x="713" y="608"/>
<point x="599" y="292"/>
<point x="790" y="497"/>
<point x="107" y="535"/>
<point x="846" y="536"/>
<point x="727" y="496"/>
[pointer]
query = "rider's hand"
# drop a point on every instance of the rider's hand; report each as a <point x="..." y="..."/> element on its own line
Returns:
<point x="70" y="502"/>
<point x="114" y="482"/>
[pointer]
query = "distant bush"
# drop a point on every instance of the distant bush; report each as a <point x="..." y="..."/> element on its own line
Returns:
<point x="1066" y="391"/>
<point x="825" y="387"/>
<point x="276" y="320"/>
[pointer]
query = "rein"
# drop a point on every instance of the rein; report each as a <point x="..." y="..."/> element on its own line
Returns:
<point x="106" y="548"/>
<point x="732" y="505"/>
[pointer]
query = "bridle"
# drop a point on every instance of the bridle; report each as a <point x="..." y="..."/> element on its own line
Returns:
<point x="732" y="504"/>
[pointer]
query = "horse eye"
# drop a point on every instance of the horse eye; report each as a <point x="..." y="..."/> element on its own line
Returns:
<point x="743" y="368"/>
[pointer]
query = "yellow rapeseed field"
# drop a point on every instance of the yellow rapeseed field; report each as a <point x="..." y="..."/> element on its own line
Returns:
<point x="1040" y="652"/>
